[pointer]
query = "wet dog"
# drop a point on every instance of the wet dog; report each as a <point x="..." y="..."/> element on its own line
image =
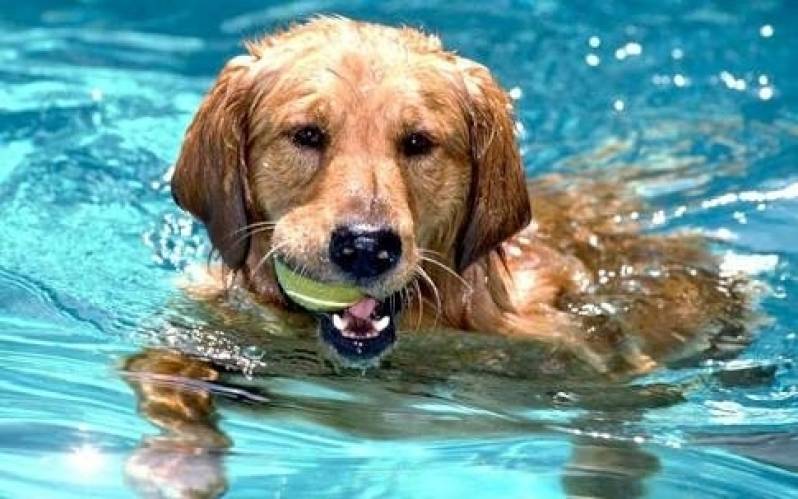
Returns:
<point x="369" y="155"/>
<point x="363" y="154"/>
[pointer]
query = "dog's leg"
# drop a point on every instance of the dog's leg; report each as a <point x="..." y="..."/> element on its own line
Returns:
<point x="187" y="456"/>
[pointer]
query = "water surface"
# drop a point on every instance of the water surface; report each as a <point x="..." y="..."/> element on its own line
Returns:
<point x="694" y="101"/>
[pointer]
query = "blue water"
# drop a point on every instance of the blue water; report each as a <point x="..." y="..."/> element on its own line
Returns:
<point x="699" y="99"/>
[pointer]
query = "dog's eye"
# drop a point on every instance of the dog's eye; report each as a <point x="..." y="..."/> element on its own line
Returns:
<point x="416" y="144"/>
<point x="311" y="137"/>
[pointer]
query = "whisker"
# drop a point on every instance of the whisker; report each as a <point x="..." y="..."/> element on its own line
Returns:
<point x="404" y="295"/>
<point x="302" y="270"/>
<point x="432" y="305"/>
<point x="248" y="234"/>
<point x="392" y="299"/>
<point x="434" y="288"/>
<point x="266" y="223"/>
<point x="430" y="252"/>
<point x="407" y="296"/>
<point x="420" y="299"/>
<point x="268" y="254"/>
<point x="449" y="271"/>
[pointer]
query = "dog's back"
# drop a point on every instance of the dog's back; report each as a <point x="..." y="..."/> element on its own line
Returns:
<point x="660" y="295"/>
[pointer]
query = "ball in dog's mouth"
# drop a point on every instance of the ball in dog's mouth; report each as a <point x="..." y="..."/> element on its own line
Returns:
<point x="357" y="328"/>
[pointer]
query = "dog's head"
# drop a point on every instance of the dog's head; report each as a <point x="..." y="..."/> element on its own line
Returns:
<point x="353" y="153"/>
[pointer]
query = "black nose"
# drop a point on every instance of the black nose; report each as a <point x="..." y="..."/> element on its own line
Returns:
<point x="364" y="253"/>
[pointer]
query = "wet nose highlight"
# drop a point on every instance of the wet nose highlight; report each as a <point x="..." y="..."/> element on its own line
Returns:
<point x="365" y="253"/>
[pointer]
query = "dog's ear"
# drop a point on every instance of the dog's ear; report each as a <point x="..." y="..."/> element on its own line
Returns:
<point x="498" y="201"/>
<point x="210" y="172"/>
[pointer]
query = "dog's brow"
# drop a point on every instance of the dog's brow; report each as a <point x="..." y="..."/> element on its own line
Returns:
<point x="352" y="86"/>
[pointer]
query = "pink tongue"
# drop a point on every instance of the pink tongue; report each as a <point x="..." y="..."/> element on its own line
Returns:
<point x="363" y="309"/>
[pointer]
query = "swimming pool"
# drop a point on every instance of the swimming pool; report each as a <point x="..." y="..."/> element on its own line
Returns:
<point x="698" y="98"/>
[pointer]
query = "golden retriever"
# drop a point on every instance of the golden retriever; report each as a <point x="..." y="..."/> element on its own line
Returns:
<point x="367" y="154"/>
<point x="360" y="153"/>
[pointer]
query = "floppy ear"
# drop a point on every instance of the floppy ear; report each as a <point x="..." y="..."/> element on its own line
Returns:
<point x="208" y="180"/>
<point x="498" y="201"/>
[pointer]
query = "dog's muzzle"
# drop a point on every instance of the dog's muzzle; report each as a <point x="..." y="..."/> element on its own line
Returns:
<point x="358" y="333"/>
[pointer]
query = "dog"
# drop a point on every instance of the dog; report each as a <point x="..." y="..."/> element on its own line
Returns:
<point x="369" y="155"/>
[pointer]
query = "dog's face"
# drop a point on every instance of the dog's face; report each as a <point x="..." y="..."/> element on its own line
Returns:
<point x="353" y="153"/>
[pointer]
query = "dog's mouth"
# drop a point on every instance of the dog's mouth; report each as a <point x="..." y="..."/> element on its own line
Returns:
<point x="361" y="333"/>
<point x="358" y="333"/>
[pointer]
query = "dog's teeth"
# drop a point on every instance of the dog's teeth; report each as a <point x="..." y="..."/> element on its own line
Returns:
<point x="382" y="323"/>
<point x="339" y="322"/>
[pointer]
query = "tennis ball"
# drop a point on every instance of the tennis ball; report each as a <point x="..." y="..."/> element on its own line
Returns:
<point x="315" y="295"/>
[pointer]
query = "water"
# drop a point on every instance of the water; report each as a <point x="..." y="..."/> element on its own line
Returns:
<point x="696" y="99"/>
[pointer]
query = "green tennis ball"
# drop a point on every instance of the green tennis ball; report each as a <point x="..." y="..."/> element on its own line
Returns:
<point x="315" y="295"/>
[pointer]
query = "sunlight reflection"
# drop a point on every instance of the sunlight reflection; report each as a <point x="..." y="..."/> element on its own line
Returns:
<point x="722" y="234"/>
<point x="725" y="411"/>
<point x="732" y="82"/>
<point x="787" y="192"/>
<point x="86" y="460"/>
<point x="631" y="49"/>
<point x="592" y="60"/>
<point x="736" y="263"/>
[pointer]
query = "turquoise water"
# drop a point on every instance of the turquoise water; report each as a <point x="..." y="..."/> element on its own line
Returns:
<point x="699" y="99"/>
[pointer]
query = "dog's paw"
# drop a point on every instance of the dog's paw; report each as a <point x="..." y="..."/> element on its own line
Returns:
<point x="622" y="357"/>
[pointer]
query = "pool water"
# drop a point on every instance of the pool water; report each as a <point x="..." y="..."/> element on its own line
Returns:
<point x="696" y="102"/>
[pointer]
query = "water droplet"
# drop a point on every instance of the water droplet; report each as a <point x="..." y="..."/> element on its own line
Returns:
<point x="253" y="352"/>
<point x="634" y="48"/>
<point x="564" y="398"/>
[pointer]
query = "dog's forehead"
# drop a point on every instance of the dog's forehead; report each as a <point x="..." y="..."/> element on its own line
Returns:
<point x="331" y="52"/>
<point x="337" y="34"/>
<point x="364" y="70"/>
<point x="357" y="80"/>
